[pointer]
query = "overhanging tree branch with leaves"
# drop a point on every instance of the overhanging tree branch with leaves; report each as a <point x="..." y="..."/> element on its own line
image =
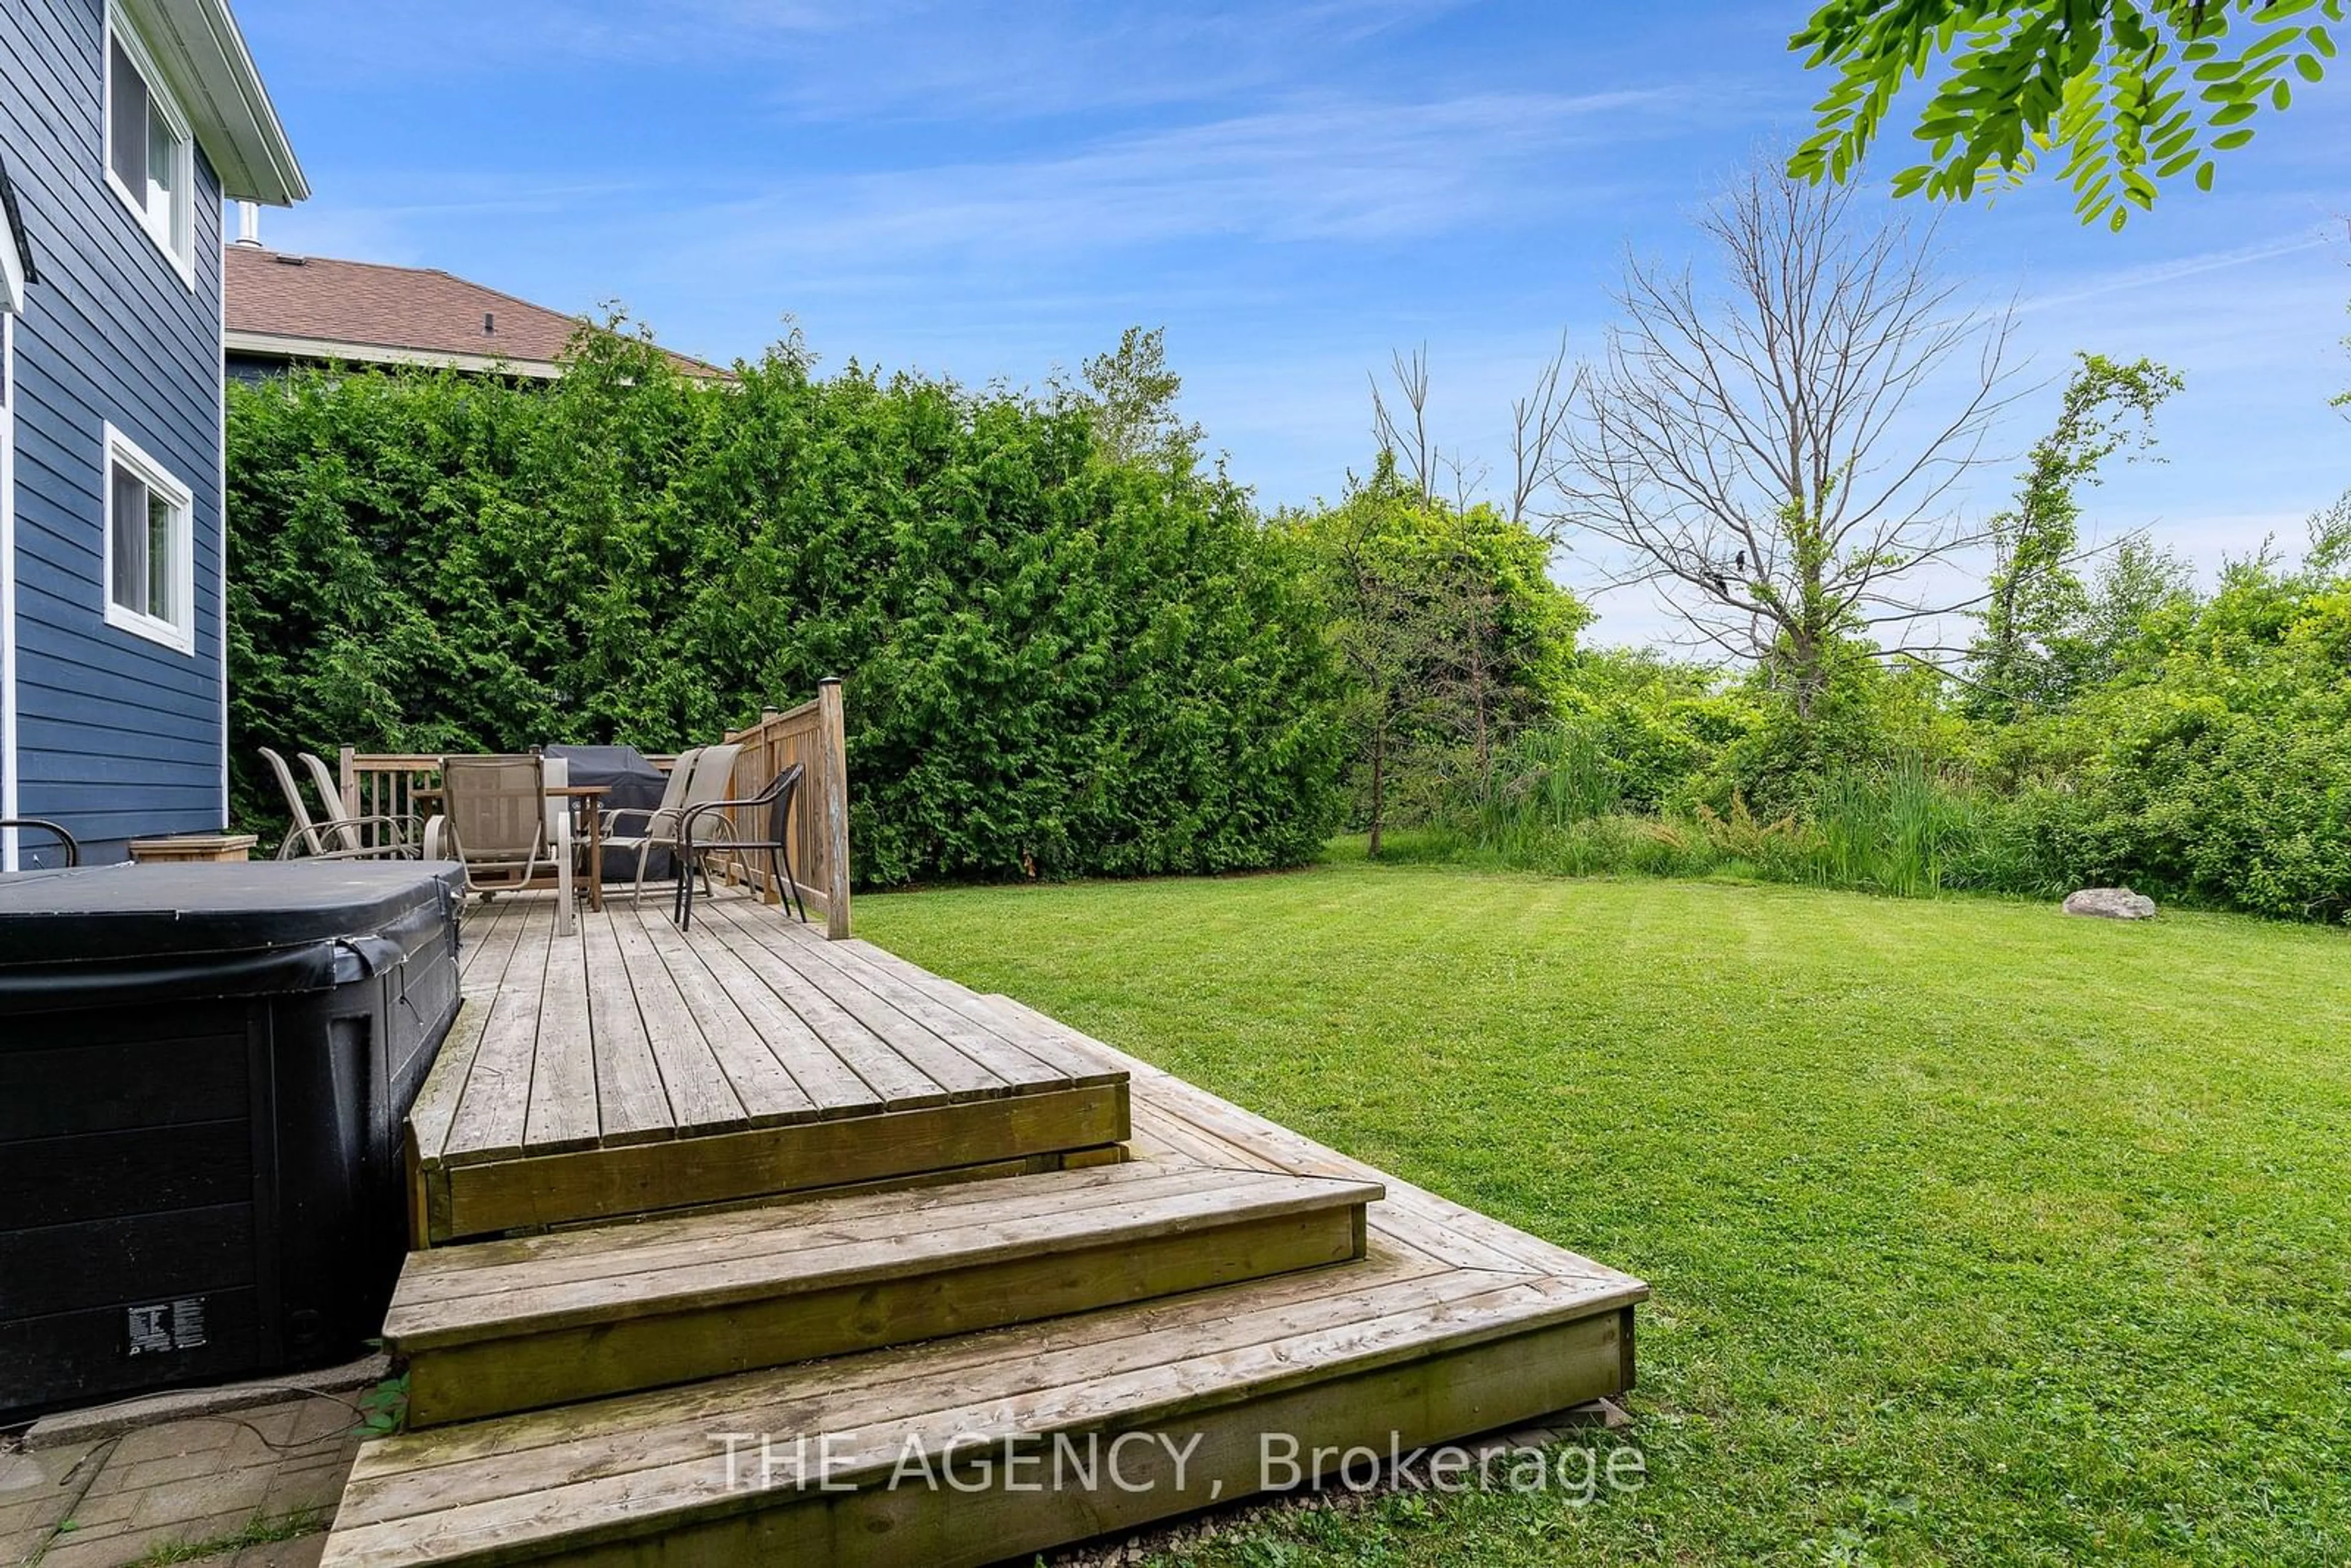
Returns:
<point x="2121" y="95"/>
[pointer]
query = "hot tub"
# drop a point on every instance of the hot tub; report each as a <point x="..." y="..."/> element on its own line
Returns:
<point x="205" y="1074"/>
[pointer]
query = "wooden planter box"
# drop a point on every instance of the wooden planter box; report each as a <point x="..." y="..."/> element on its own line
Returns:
<point x="180" y="848"/>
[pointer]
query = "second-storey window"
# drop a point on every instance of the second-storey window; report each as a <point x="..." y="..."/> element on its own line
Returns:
<point x="149" y="548"/>
<point x="149" y="157"/>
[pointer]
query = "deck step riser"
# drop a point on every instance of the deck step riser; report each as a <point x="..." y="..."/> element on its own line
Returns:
<point x="462" y="1383"/>
<point x="589" y="1186"/>
<point x="1450" y="1396"/>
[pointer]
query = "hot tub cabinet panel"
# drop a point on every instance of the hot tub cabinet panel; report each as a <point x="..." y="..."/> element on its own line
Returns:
<point x="203" y="1075"/>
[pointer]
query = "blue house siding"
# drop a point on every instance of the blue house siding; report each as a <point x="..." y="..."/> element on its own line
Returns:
<point x="116" y="737"/>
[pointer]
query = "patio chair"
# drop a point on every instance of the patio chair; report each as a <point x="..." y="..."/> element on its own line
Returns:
<point x="339" y="837"/>
<point x="498" y="822"/>
<point x="661" y="821"/>
<point x="67" y="843"/>
<point x="350" y="833"/>
<point x="759" y="825"/>
<point x="713" y="777"/>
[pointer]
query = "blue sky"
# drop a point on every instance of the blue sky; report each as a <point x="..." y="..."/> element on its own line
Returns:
<point x="1292" y="189"/>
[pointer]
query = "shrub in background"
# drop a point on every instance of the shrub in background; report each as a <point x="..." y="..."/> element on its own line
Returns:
<point x="1056" y="664"/>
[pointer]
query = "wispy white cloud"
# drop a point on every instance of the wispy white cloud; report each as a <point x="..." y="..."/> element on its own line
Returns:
<point x="2157" y="276"/>
<point x="1328" y="170"/>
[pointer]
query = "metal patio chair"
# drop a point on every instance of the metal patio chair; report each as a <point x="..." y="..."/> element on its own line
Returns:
<point x="661" y="821"/>
<point x="760" y="824"/>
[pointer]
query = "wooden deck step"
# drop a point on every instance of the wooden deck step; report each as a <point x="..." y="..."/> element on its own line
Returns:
<point x="502" y="1326"/>
<point x="810" y="1465"/>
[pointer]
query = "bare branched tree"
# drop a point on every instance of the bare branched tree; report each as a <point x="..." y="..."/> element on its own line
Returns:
<point x="1406" y="435"/>
<point x="1538" y="426"/>
<point x="1779" y="455"/>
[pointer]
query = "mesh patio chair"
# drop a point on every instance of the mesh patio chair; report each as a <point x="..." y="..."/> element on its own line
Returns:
<point x="759" y="825"/>
<point x="498" y="822"/>
<point x="396" y="837"/>
<point x="339" y="837"/>
<point x="661" y="821"/>
<point x="713" y="780"/>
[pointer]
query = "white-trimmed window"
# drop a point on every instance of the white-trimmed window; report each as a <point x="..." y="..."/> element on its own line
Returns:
<point x="150" y="158"/>
<point x="150" y="556"/>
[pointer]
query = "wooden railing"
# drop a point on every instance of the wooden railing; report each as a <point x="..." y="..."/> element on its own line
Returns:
<point x="385" y="784"/>
<point x="809" y="735"/>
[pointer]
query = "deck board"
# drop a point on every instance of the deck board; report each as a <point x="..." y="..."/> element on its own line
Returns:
<point x="563" y="1102"/>
<point x="763" y="1087"/>
<point x="494" y="1105"/>
<point x="943" y="1060"/>
<point x="815" y="1065"/>
<point x="701" y="1098"/>
<point x="631" y="1105"/>
<point x="901" y="1085"/>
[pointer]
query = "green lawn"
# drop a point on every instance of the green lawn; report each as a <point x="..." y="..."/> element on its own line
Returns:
<point x="1977" y="1234"/>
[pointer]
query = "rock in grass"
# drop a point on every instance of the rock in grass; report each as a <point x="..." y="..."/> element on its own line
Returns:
<point x="2110" y="904"/>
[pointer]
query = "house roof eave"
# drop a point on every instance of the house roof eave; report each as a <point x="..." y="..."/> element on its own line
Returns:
<point x="203" y="52"/>
<point x="331" y="351"/>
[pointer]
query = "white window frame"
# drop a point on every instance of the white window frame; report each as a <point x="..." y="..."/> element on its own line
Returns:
<point x="9" y="851"/>
<point x="12" y="274"/>
<point x="178" y="635"/>
<point x="178" y="247"/>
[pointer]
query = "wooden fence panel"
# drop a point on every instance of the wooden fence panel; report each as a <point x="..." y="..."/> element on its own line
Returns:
<point x="812" y="736"/>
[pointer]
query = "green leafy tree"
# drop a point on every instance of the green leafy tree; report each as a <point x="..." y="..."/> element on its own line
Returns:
<point x="1450" y="630"/>
<point x="2034" y="648"/>
<point x="2217" y="765"/>
<point x="2118" y="96"/>
<point x="1131" y="394"/>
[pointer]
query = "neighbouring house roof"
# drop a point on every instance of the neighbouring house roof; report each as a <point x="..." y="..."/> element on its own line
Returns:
<point x="314" y="308"/>
<point x="203" y="56"/>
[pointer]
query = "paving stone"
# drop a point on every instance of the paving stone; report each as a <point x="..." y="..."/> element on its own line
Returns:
<point x="22" y="1533"/>
<point x="38" y="1492"/>
<point x="22" y="1474"/>
<point x="302" y="1552"/>
<point x="172" y="1439"/>
<point x="107" y="1507"/>
<point x="147" y="1410"/>
<point x="300" y="1421"/>
<point x="82" y="1549"/>
<point x="202" y="1496"/>
<point x="305" y="1492"/>
<point x="180" y="1483"/>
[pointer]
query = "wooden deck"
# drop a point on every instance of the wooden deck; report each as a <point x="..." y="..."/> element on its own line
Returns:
<point x="1436" y="1324"/>
<point x="631" y="1067"/>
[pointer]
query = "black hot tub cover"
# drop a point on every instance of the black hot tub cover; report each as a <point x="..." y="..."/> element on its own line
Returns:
<point x="155" y="932"/>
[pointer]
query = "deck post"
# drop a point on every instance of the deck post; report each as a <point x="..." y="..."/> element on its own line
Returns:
<point x="832" y="784"/>
<point x="348" y="773"/>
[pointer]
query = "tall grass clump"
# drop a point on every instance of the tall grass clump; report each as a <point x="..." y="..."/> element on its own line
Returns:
<point x="1900" y="827"/>
<point x="1904" y="826"/>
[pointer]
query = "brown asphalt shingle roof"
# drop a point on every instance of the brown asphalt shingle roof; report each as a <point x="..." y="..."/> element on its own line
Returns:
<point x="418" y="310"/>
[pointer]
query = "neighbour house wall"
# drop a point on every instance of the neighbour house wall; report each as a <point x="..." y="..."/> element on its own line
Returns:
<point x="116" y="736"/>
